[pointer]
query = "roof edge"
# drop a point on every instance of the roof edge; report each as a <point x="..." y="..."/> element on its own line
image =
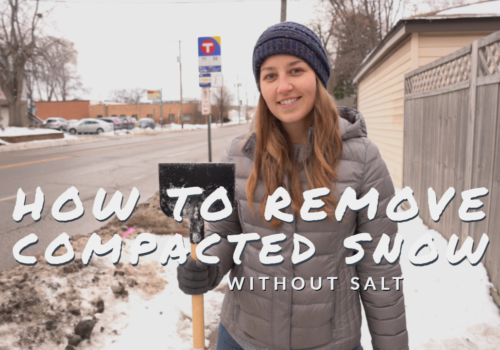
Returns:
<point x="394" y="36"/>
<point x="405" y="27"/>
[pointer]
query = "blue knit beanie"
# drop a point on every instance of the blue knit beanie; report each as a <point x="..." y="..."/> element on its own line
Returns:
<point x="290" y="38"/>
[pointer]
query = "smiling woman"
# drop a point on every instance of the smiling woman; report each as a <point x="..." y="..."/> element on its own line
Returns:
<point x="302" y="141"/>
<point x="288" y="86"/>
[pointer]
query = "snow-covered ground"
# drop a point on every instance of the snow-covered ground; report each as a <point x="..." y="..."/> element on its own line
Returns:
<point x="17" y="131"/>
<point x="447" y="307"/>
<point x="70" y="139"/>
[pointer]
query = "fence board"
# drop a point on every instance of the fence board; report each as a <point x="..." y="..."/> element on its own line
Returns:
<point x="485" y="133"/>
<point x="493" y="219"/>
<point x="452" y="139"/>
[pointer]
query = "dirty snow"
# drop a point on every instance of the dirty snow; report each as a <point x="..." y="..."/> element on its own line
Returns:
<point x="448" y="307"/>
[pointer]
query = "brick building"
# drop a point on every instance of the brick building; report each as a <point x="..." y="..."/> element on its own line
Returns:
<point x="94" y="109"/>
<point x="63" y="109"/>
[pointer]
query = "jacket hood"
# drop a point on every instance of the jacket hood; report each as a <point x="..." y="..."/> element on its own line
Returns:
<point x="352" y="123"/>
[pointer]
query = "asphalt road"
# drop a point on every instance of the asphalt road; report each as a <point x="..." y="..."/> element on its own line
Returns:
<point x="112" y="165"/>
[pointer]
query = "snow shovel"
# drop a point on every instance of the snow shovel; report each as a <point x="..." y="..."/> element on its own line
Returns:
<point x="208" y="176"/>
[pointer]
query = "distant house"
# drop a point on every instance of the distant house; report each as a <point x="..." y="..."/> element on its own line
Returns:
<point x="412" y="43"/>
<point x="4" y="108"/>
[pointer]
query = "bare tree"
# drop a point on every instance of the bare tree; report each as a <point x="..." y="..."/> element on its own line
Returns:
<point x="222" y="98"/>
<point x="19" y="21"/>
<point x="425" y="6"/>
<point x="52" y="71"/>
<point x="68" y="81"/>
<point x="132" y="96"/>
<point x="349" y="30"/>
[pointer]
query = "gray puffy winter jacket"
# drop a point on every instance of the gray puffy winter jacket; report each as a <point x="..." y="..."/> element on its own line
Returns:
<point x="313" y="319"/>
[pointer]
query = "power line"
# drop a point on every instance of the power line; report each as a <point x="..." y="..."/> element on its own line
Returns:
<point x="148" y="1"/>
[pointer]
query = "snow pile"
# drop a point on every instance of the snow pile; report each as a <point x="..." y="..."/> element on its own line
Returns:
<point x="46" y="307"/>
<point x="164" y="321"/>
<point x="21" y="131"/>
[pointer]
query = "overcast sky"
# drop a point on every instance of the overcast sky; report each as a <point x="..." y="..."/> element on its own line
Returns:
<point x="127" y="44"/>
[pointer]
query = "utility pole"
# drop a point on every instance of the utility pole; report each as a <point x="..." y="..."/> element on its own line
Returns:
<point x="161" y="109"/>
<point x="180" y="72"/>
<point x="283" y="10"/>
<point x="239" y="102"/>
<point x="246" y="106"/>
<point x="221" y="112"/>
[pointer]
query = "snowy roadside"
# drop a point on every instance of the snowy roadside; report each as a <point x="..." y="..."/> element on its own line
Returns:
<point x="73" y="139"/>
<point x="448" y="307"/>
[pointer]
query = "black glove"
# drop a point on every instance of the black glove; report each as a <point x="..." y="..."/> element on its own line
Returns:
<point x="195" y="277"/>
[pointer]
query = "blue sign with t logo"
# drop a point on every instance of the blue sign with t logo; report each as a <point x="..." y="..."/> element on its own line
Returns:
<point x="209" y="54"/>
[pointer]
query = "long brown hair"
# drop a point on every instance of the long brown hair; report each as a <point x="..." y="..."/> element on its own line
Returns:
<point x="275" y="159"/>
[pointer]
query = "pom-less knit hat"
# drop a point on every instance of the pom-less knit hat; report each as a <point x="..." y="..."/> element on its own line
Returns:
<point x="290" y="38"/>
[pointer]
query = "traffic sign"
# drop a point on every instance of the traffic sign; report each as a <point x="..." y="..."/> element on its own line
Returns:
<point x="209" y="54"/>
<point x="206" y="107"/>
<point x="205" y="80"/>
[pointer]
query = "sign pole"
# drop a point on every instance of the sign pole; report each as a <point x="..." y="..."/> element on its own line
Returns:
<point x="206" y="109"/>
<point x="209" y="120"/>
<point x="209" y="54"/>
<point x="180" y="75"/>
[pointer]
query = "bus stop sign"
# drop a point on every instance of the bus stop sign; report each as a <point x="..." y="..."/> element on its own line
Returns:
<point x="209" y="54"/>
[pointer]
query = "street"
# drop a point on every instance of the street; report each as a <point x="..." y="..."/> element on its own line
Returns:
<point x="112" y="165"/>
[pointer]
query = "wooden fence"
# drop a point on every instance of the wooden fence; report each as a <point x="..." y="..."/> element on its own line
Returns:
<point x="452" y="139"/>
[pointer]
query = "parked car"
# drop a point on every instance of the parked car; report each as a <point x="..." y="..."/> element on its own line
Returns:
<point x="90" y="126"/>
<point x="145" y="123"/>
<point x="136" y="123"/>
<point x="113" y="121"/>
<point x="56" y="123"/>
<point x="72" y="122"/>
<point x="118" y="122"/>
<point x="127" y="123"/>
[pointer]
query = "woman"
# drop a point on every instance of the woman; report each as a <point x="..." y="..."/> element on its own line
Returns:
<point x="301" y="141"/>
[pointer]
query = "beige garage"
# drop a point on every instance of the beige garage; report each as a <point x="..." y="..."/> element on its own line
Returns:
<point x="412" y="43"/>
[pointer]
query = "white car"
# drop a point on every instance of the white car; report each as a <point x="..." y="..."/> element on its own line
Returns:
<point x="94" y="126"/>
<point x="56" y="123"/>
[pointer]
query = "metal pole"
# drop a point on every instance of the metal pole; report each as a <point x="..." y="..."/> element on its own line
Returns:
<point x="180" y="72"/>
<point x="246" y="105"/>
<point x="283" y="10"/>
<point x="239" y="104"/>
<point x="209" y="121"/>
<point x="221" y="104"/>
<point x="161" y="109"/>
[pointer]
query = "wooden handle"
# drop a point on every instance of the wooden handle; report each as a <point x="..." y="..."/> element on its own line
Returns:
<point x="198" y="315"/>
